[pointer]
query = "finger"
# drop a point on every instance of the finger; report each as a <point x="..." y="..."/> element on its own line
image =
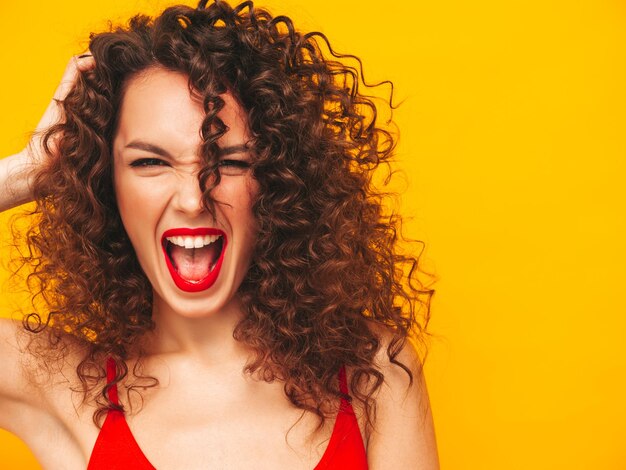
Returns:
<point x="85" y="62"/>
<point x="76" y="65"/>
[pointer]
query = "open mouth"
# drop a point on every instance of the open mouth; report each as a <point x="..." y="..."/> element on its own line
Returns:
<point x="194" y="256"/>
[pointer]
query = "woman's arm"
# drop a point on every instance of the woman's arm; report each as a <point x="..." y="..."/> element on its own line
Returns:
<point x="16" y="171"/>
<point x="404" y="436"/>
<point x="15" y="184"/>
<point x="17" y="392"/>
<point x="18" y="395"/>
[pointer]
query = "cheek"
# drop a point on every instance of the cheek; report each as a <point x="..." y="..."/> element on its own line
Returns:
<point x="240" y="193"/>
<point x="139" y="203"/>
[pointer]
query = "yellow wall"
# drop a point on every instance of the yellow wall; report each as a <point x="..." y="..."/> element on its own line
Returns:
<point x="512" y="142"/>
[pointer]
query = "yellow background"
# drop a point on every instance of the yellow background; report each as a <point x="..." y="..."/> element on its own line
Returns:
<point x="512" y="142"/>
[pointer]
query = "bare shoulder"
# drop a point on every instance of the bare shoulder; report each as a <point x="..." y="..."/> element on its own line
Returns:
<point x="28" y="381"/>
<point x="16" y="390"/>
<point x="35" y="399"/>
<point x="12" y="361"/>
<point x="403" y="434"/>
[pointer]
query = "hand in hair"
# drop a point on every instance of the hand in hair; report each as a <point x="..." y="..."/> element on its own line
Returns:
<point x="16" y="170"/>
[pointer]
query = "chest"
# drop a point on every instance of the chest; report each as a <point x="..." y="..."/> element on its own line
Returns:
<point x="234" y="428"/>
<point x="226" y="423"/>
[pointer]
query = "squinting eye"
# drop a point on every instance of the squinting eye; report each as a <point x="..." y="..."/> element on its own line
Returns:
<point x="148" y="162"/>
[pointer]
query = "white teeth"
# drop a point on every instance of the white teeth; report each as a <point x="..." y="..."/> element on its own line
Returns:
<point x="193" y="242"/>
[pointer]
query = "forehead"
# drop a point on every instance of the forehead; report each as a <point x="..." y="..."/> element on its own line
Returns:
<point x="157" y="105"/>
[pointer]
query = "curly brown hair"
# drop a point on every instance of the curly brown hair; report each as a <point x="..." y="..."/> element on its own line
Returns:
<point x="327" y="274"/>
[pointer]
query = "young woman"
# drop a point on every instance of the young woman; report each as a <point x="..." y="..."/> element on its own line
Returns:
<point x="219" y="284"/>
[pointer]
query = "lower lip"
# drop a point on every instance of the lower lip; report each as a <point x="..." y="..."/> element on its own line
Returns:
<point x="203" y="284"/>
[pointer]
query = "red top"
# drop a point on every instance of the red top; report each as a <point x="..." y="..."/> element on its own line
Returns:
<point x="116" y="448"/>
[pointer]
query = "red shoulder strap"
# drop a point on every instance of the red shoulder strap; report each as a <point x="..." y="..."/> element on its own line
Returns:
<point x="110" y="378"/>
<point x="346" y="449"/>
<point x="343" y="381"/>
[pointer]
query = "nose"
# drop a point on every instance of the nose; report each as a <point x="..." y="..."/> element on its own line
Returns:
<point x="188" y="197"/>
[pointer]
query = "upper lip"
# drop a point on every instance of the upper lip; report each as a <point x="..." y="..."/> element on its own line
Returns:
<point x="172" y="232"/>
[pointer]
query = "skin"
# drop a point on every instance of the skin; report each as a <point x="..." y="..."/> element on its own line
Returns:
<point x="209" y="412"/>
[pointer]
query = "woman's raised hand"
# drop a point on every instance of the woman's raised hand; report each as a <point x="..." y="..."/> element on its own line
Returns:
<point x="53" y="113"/>
<point x="17" y="170"/>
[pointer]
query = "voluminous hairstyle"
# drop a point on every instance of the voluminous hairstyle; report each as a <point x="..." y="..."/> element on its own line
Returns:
<point x="327" y="277"/>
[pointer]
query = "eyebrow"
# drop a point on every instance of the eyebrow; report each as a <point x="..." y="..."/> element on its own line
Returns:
<point x="148" y="147"/>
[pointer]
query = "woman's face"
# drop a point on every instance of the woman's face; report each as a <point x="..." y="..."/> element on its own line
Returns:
<point x="194" y="260"/>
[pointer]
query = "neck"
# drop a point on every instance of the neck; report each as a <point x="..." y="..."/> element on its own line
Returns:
<point x="207" y="339"/>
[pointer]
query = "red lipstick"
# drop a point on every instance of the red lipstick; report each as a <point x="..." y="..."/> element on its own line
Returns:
<point x="209" y="280"/>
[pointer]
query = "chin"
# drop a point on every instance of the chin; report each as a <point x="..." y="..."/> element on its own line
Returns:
<point x="196" y="307"/>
